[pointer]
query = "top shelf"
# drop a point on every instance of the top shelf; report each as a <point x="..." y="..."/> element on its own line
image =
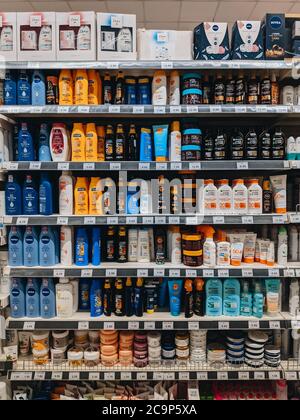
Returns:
<point x="154" y="65"/>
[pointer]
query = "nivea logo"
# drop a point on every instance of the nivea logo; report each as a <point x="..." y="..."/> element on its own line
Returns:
<point x="29" y="240"/>
<point x="276" y="22"/>
<point x="31" y="292"/>
<point x="46" y="292"/>
<point x="45" y="240"/>
<point x="249" y="26"/>
<point x="15" y="292"/>
<point x="14" y="239"/>
<point x="215" y="28"/>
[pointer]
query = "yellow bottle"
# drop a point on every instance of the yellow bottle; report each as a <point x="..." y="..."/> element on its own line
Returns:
<point x="95" y="197"/>
<point x="91" y="153"/>
<point x="66" y="88"/>
<point x="101" y="144"/>
<point x="93" y="94"/>
<point x="81" y="197"/>
<point x="81" y="88"/>
<point x="78" y="142"/>
<point x="100" y="88"/>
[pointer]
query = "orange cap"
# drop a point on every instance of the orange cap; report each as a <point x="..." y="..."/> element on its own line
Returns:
<point x="199" y="284"/>
<point x="188" y="285"/>
<point x="209" y="181"/>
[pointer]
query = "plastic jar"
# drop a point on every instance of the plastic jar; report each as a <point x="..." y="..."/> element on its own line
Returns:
<point x="154" y="339"/>
<point x="94" y="338"/>
<point x="40" y="341"/>
<point x="91" y="357"/>
<point x="40" y="356"/>
<point x="192" y="93"/>
<point x="81" y="338"/>
<point x="58" y="356"/>
<point x="60" y="339"/>
<point x="75" y="357"/>
<point x="125" y="357"/>
<point x="193" y="258"/>
<point x="192" y="137"/>
<point x="191" y="242"/>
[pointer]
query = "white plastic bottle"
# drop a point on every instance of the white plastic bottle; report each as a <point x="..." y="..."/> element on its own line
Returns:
<point x="255" y="197"/>
<point x="146" y="198"/>
<point x="174" y="88"/>
<point x="223" y="251"/>
<point x="64" y="299"/>
<point x="209" y="249"/>
<point x="75" y="286"/>
<point x="282" y="254"/>
<point x="159" y="88"/>
<point x="210" y="197"/>
<point x="66" y="245"/>
<point x="291" y="149"/>
<point x="66" y="194"/>
<point x="175" y="239"/>
<point x="293" y="244"/>
<point x="132" y="245"/>
<point x="240" y="197"/>
<point x="59" y="143"/>
<point x="294" y="299"/>
<point x="175" y="143"/>
<point x="224" y="198"/>
<point x="143" y="254"/>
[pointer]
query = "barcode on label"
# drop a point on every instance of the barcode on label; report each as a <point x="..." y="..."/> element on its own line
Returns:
<point x="142" y="273"/>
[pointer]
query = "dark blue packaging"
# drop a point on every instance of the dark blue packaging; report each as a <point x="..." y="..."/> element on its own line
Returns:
<point x="211" y="41"/>
<point x="130" y="91"/>
<point x="275" y="36"/>
<point x="144" y="91"/>
<point x="296" y="47"/>
<point x="247" y="40"/>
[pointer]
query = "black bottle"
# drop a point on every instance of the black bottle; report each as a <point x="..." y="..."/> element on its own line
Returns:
<point x="230" y="90"/>
<point x="266" y="90"/>
<point x="107" y="298"/>
<point x="220" y="149"/>
<point x="160" y="247"/>
<point x="129" y="297"/>
<point x="199" y="297"/>
<point x="267" y="197"/>
<point x="237" y="145"/>
<point x="109" y="144"/>
<point x="120" y="89"/>
<point x="119" y="298"/>
<point x="110" y="249"/>
<point x="253" y="90"/>
<point x="240" y="90"/>
<point x="120" y="143"/>
<point x="122" y="245"/>
<point x="107" y="89"/>
<point x="207" y="100"/>
<point x="219" y="91"/>
<point x="278" y="145"/>
<point x="188" y="299"/>
<point x="132" y="145"/>
<point x="265" y="146"/>
<point x="251" y="145"/>
<point x="208" y="146"/>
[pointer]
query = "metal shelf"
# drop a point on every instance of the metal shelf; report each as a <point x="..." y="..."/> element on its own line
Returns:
<point x="130" y="220"/>
<point x="113" y="270"/>
<point x="255" y="165"/>
<point x="154" y="65"/>
<point x="157" y="321"/>
<point x="149" y="110"/>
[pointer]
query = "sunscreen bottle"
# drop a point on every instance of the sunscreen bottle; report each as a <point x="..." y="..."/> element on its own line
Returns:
<point x="81" y="88"/>
<point x="209" y="247"/>
<point x="93" y="92"/>
<point x="91" y="143"/>
<point x="95" y="197"/>
<point x="66" y="91"/>
<point x="81" y="197"/>
<point x="101" y="144"/>
<point x="78" y="141"/>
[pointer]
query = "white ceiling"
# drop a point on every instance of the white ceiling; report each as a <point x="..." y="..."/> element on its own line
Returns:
<point x="164" y="14"/>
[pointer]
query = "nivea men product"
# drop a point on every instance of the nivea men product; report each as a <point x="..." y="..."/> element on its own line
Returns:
<point x="247" y="41"/>
<point x="211" y="41"/>
<point x="275" y="36"/>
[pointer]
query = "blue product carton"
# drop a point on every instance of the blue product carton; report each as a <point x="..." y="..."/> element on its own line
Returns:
<point x="211" y="41"/>
<point x="247" y="41"/>
<point x="275" y="36"/>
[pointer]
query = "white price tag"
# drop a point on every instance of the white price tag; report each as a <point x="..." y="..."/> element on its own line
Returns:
<point x="193" y="326"/>
<point x="262" y="109"/>
<point x="223" y="273"/>
<point x="247" y="272"/>
<point x="112" y="220"/>
<point x="29" y="326"/>
<point x="191" y="220"/>
<point x="150" y="326"/>
<point x="242" y="166"/>
<point x="83" y="325"/>
<point x="139" y="109"/>
<point x="141" y="376"/>
<point x="176" y="166"/>
<point x="208" y="273"/>
<point x="192" y="109"/>
<point x="109" y="326"/>
<point x="159" y="272"/>
<point x="21" y="376"/>
<point x="282" y="109"/>
<point x="184" y="376"/>
<point x="114" y="109"/>
<point x="160" y="220"/>
<point x="167" y="65"/>
<point x="56" y="376"/>
<point x="35" y="166"/>
<point x="148" y="220"/>
<point x="244" y="376"/>
<point x="191" y="273"/>
<point x="297" y="273"/>
<point x="22" y="221"/>
<point x="295" y="325"/>
<point x="74" y="376"/>
<point x="59" y="273"/>
<point x="62" y="221"/>
<point x="133" y="325"/>
<point x="161" y="166"/>
<point x="222" y="376"/>
<point x="195" y="166"/>
<point x="63" y="109"/>
<point x="142" y="273"/>
<point x="89" y="166"/>
<point x="174" y="273"/>
<point x="131" y="220"/>
<point x="202" y="376"/>
<point x="274" y="376"/>
<point x="115" y="166"/>
<point x="259" y="376"/>
<point x="240" y="109"/>
<point x="174" y="220"/>
<point x="109" y="376"/>
<point x="90" y="220"/>
<point x="216" y="109"/>
<point x="12" y="166"/>
<point x="94" y="376"/>
<point x="278" y="220"/>
<point x="169" y="376"/>
<point x="63" y="166"/>
<point x="84" y="109"/>
<point x="144" y="166"/>
<point x="111" y="272"/>
<point x="159" y="110"/>
<point x="223" y="326"/>
<point x="126" y="376"/>
<point x="274" y="272"/>
<point x="175" y="109"/>
<point x="295" y="218"/>
<point x="218" y="220"/>
<point x="158" y="376"/>
<point x="289" y="273"/>
<point x="113" y="65"/>
<point x="253" y="325"/>
<point x="247" y="220"/>
<point x="39" y="376"/>
<point x="87" y="273"/>
<point x="74" y="21"/>
<point x="36" y="21"/>
<point x="291" y="376"/>
<point x="168" y="325"/>
<point x="274" y="325"/>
